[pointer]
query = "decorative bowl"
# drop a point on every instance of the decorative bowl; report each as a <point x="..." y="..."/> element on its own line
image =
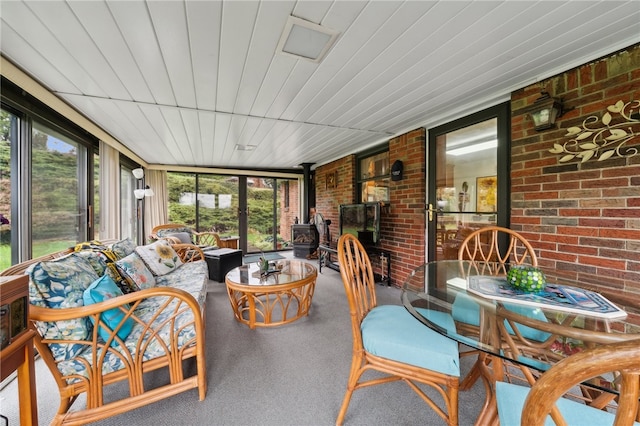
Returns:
<point x="526" y="278"/>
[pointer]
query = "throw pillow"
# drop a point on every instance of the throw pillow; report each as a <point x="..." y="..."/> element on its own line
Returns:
<point x="159" y="257"/>
<point x="184" y="237"/>
<point x="104" y="288"/>
<point x="133" y="269"/>
<point x="60" y="284"/>
<point x="123" y="248"/>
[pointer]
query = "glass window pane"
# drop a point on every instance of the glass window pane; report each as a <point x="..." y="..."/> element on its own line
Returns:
<point x="260" y="200"/>
<point x="218" y="204"/>
<point x="57" y="219"/>
<point x="8" y="134"/>
<point x="466" y="184"/>
<point x="182" y="198"/>
<point x="374" y="177"/>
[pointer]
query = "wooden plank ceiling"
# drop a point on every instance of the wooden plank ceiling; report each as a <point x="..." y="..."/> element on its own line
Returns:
<point x="183" y="83"/>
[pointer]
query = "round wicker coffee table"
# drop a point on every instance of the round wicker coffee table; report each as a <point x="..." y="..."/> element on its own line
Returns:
<point x="275" y="299"/>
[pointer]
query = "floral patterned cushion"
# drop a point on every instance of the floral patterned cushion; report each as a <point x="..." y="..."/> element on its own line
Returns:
<point x="154" y="345"/>
<point x="159" y="257"/>
<point x="97" y="260"/>
<point x="58" y="284"/>
<point x="135" y="272"/>
<point x="123" y="248"/>
<point x="190" y="277"/>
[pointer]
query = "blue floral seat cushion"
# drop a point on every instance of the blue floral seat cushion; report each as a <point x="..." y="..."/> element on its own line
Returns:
<point x="390" y="331"/>
<point x="511" y="401"/>
<point x="190" y="277"/>
<point x="154" y="345"/>
<point x="58" y="284"/>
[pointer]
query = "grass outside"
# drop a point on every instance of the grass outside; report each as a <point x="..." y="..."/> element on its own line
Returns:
<point x="39" y="249"/>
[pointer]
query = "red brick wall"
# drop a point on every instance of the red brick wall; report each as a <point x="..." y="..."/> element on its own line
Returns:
<point x="582" y="218"/>
<point x="403" y="227"/>
<point x="328" y="200"/>
<point x="403" y="221"/>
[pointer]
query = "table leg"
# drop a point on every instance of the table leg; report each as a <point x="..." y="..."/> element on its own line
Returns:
<point x="27" y="387"/>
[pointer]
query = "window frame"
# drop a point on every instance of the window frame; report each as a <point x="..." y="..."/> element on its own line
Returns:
<point x="361" y="181"/>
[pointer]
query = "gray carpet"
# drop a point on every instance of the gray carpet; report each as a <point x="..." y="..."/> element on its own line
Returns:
<point x="295" y="374"/>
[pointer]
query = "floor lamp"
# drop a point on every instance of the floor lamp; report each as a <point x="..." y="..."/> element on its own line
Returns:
<point x="141" y="192"/>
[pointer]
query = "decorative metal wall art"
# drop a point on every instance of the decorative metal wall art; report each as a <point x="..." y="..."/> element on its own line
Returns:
<point x="599" y="138"/>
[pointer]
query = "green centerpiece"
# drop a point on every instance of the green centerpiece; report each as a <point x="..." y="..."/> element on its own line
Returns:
<point x="526" y="278"/>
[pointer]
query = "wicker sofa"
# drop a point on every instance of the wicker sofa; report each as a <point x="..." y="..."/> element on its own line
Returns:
<point x="92" y="334"/>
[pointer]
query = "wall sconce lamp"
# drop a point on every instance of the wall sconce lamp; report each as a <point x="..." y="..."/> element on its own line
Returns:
<point x="544" y="111"/>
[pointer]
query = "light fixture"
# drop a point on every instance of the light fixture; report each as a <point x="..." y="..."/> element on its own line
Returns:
<point x="138" y="173"/>
<point x="143" y="192"/>
<point x="240" y="147"/>
<point x="306" y="40"/>
<point x="468" y="149"/>
<point x="544" y="111"/>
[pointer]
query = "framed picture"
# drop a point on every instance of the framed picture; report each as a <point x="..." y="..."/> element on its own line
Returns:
<point x="332" y="179"/>
<point x="486" y="193"/>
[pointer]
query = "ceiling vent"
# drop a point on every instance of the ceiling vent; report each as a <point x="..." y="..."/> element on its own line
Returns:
<point x="306" y="40"/>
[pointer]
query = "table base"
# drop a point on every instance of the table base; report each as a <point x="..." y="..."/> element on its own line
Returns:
<point x="270" y="306"/>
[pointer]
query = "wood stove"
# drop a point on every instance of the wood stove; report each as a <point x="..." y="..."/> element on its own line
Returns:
<point x="305" y="239"/>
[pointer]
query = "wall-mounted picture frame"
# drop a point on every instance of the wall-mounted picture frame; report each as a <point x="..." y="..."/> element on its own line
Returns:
<point x="486" y="194"/>
<point x="332" y="179"/>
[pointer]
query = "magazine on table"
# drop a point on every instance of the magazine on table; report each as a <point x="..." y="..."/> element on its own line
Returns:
<point x="554" y="296"/>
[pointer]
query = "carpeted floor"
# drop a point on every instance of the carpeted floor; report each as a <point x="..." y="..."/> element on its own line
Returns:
<point x="250" y="258"/>
<point x="294" y="374"/>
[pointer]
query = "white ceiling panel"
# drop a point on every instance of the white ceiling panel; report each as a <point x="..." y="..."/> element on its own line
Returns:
<point x="174" y="48"/>
<point x="181" y="83"/>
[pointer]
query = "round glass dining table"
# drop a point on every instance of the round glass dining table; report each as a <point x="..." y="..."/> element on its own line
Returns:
<point x="510" y="334"/>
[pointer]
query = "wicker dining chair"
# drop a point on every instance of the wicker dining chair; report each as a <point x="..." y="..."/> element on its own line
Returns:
<point x="388" y="339"/>
<point x="484" y="245"/>
<point x="531" y="406"/>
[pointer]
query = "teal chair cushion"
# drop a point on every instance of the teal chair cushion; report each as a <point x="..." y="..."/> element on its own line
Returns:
<point x="467" y="311"/>
<point x="511" y="401"/>
<point x="391" y="332"/>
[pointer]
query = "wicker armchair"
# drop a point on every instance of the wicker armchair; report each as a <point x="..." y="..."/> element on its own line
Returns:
<point x="532" y="406"/>
<point x="182" y="234"/>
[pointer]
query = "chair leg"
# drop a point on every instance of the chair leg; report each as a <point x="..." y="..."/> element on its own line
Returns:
<point x="354" y="376"/>
<point x="344" y="407"/>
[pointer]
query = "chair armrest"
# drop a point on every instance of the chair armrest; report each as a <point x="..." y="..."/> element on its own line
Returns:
<point x="178" y="300"/>
<point x="188" y="252"/>
<point x="623" y="357"/>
